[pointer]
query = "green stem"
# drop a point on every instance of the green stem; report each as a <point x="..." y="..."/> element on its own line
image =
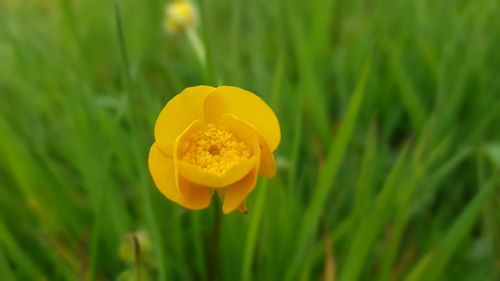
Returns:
<point x="213" y="244"/>
<point x="199" y="49"/>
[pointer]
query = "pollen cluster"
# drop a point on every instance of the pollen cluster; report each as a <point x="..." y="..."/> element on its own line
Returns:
<point x="214" y="149"/>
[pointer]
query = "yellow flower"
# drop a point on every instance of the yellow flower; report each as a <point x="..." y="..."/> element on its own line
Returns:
<point x="181" y="15"/>
<point x="213" y="139"/>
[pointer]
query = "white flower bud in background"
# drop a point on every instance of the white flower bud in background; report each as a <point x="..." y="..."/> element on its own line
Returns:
<point x="181" y="16"/>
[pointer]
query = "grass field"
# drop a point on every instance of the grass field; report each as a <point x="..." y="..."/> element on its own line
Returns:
<point x="388" y="168"/>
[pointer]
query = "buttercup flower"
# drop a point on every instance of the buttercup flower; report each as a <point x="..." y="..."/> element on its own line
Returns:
<point x="181" y="15"/>
<point x="213" y="139"/>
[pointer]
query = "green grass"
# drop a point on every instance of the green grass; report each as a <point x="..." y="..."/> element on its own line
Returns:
<point x="388" y="169"/>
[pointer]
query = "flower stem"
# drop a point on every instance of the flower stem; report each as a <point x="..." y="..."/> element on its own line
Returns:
<point x="213" y="245"/>
<point x="198" y="47"/>
<point x="137" y="257"/>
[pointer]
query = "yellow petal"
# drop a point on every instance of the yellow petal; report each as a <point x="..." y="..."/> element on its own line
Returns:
<point x="243" y="207"/>
<point x="247" y="107"/>
<point x="188" y="195"/>
<point x="193" y="127"/>
<point x="161" y="167"/>
<point x="243" y="131"/>
<point x="176" y="116"/>
<point x="194" y="196"/>
<point x="201" y="177"/>
<point x="237" y="192"/>
<point x="267" y="163"/>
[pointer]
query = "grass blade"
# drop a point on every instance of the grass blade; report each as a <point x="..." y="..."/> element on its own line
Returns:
<point x="432" y="269"/>
<point x="372" y="224"/>
<point x="256" y="215"/>
<point x="329" y="172"/>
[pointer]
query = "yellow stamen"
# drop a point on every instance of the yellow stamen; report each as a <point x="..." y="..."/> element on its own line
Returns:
<point x="215" y="150"/>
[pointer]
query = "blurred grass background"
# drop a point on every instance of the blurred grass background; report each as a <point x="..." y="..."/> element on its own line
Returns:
<point x="388" y="166"/>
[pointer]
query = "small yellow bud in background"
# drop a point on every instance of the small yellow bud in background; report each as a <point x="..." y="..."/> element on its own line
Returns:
<point x="129" y="246"/>
<point x="136" y="251"/>
<point x="181" y="16"/>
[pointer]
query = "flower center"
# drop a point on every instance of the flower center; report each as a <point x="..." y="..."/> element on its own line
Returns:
<point x="214" y="149"/>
